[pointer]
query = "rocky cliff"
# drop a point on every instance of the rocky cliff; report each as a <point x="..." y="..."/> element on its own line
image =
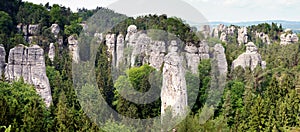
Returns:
<point x="29" y="63"/>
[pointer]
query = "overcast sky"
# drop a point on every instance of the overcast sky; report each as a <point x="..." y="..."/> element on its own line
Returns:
<point x="215" y="10"/>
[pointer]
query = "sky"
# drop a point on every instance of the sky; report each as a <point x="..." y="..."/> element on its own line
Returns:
<point x="214" y="10"/>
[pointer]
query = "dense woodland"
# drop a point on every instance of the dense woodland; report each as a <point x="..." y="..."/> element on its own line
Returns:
<point x="259" y="100"/>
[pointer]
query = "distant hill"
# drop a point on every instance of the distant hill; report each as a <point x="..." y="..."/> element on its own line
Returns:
<point x="294" y="25"/>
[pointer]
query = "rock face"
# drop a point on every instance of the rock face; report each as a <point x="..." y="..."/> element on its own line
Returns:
<point x="287" y="38"/>
<point x="264" y="37"/>
<point x="73" y="47"/>
<point x="242" y="36"/>
<point x="2" y="60"/>
<point x="192" y="57"/>
<point x="131" y="31"/>
<point x="219" y="55"/>
<point x="120" y="50"/>
<point x="51" y="53"/>
<point x="223" y="37"/>
<point x="250" y="59"/>
<point x="33" y="29"/>
<point x="205" y="30"/>
<point x="29" y="63"/>
<point x="174" y="93"/>
<point x="110" y="43"/>
<point x="55" y="29"/>
<point x="157" y="54"/>
<point x="203" y="50"/>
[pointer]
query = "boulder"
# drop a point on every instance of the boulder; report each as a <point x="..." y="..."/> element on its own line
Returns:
<point x="174" y="92"/>
<point x="251" y="58"/>
<point x="29" y="63"/>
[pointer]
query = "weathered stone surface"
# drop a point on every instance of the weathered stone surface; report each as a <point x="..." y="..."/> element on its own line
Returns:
<point x="29" y="63"/>
<point x="192" y="57"/>
<point x="264" y="37"/>
<point x="205" y="30"/>
<point x="174" y="93"/>
<point x="55" y="29"/>
<point x="73" y="47"/>
<point x="2" y="60"/>
<point x="230" y="30"/>
<point x="110" y="43"/>
<point x="140" y="49"/>
<point x="120" y="50"/>
<point x="99" y="37"/>
<point x="51" y="53"/>
<point x="242" y="36"/>
<point x="220" y="28"/>
<point x="250" y="59"/>
<point x="287" y="38"/>
<point x="203" y="50"/>
<point x="157" y="54"/>
<point x="33" y="29"/>
<point x="223" y="37"/>
<point x="131" y="31"/>
<point x="219" y="55"/>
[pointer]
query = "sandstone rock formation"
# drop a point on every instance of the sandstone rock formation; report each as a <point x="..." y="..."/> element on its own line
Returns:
<point x="223" y="37"/>
<point x="264" y="37"/>
<point x="205" y="30"/>
<point x="29" y="63"/>
<point x="120" y="50"/>
<point x="73" y="47"/>
<point x="51" y="53"/>
<point x="251" y="58"/>
<point x="192" y="57"/>
<point x="131" y="30"/>
<point x="157" y="54"/>
<point x="242" y="36"/>
<point x="2" y="60"/>
<point x="174" y="92"/>
<point x="33" y="29"/>
<point x="140" y="49"/>
<point x="230" y="30"/>
<point x="219" y="55"/>
<point x="110" y="43"/>
<point x="287" y="38"/>
<point x="203" y="50"/>
<point x="55" y="29"/>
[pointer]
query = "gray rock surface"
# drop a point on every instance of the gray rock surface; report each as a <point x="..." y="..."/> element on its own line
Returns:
<point x="203" y="50"/>
<point x="29" y="63"/>
<point x="192" y="57"/>
<point x="205" y="30"/>
<point x="288" y="38"/>
<point x="131" y="31"/>
<point x="230" y="30"/>
<point x="174" y="92"/>
<point x="120" y="50"/>
<point x="219" y="55"/>
<point x="242" y="36"/>
<point x="157" y="54"/>
<point x="2" y="60"/>
<point x="251" y="58"/>
<point x="73" y="47"/>
<point x="33" y="29"/>
<point x="110" y="43"/>
<point x="51" y="53"/>
<point x="55" y="29"/>
<point x="223" y="37"/>
<point x="264" y="37"/>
